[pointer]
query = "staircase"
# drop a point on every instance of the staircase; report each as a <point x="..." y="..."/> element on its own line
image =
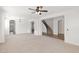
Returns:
<point x="49" y="30"/>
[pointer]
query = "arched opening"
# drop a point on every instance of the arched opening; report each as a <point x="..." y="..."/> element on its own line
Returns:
<point x="12" y="27"/>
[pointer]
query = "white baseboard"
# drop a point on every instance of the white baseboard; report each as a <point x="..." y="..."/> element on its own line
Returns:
<point x="55" y="33"/>
<point x="71" y="42"/>
<point x="2" y="41"/>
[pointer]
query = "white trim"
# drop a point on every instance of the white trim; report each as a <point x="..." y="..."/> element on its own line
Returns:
<point x="55" y="33"/>
<point x="2" y="41"/>
<point x="71" y="42"/>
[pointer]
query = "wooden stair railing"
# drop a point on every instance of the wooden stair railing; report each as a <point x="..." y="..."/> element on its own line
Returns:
<point x="49" y="30"/>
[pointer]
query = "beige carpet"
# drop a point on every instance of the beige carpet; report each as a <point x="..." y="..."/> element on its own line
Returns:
<point x="30" y="43"/>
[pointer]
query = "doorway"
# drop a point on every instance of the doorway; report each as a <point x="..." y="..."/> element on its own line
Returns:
<point x="12" y="27"/>
<point x="61" y="29"/>
<point x="32" y="29"/>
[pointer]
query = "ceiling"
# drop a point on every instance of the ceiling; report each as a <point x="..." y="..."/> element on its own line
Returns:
<point x="24" y="11"/>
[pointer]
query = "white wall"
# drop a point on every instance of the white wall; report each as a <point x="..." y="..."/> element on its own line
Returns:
<point x="2" y="38"/>
<point x="72" y="27"/>
<point x="38" y="27"/>
<point x="22" y="25"/>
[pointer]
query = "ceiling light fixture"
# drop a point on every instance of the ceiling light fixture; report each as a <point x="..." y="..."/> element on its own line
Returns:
<point x="38" y="10"/>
